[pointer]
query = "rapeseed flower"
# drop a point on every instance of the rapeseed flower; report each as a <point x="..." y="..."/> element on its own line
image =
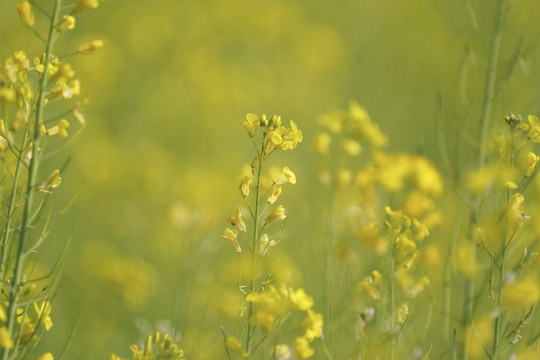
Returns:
<point x="89" y="47"/>
<point x="232" y="343"/>
<point x="277" y="214"/>
<point x="25" y="12"/>
<point x="230" y="236"/>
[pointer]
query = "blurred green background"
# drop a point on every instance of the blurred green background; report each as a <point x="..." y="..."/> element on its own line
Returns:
<point x="157" y="168"/>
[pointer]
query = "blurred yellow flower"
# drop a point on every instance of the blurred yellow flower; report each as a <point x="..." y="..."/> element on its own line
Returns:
<point x="301" y="300"/>
<point x="232" y="343"/>
<point x="532" y="159"/>
<point x="322" y="143"/>
<point x="534" y="129"/>
<point x="67" y="23"/>
<point x="351" y="147"/>
<point x="5" y="340"/>
<point x="82" y="4"/>
<point x="25" y="12"/>
<point x="46" y="356"/>
<point x="89" y="47"/>
<point x="302" y="349"/>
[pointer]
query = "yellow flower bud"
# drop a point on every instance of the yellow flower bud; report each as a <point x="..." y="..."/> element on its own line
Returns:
<point x="90" y="47"/>
<point x="67" y="23"/>
<point x="244" y="186"/>
<point x="46" y="356"/>
<point x="25" y="12"/>
<point x="351" y="147"/>
<point x="273" y="197"/>
<point x="82" y="4"/>
<point x="532" y="159"/>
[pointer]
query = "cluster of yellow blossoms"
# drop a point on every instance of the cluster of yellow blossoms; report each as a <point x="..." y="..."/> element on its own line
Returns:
<point x="272" y="307"/>
<point x="156" y="346"/>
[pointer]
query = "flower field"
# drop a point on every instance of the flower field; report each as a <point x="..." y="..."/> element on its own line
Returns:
<point x="279" y="180"/>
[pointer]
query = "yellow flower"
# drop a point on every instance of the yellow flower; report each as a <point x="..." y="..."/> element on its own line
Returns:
<point x="278" y="213"/>
<point x="301" y="300"/>
<point x="283" y="352"/>
<point x="514" y="213"/>
<point x="43" y="314"/>
<point x="251" y="124"/>
<point x="5" y="340"/>
<point x="313" y="324"/>
<point x="534" y="129"/>
<point x="418" y="287"/>
<point x="265" y="243"/>
<point x="292" y="137"/>
<point x="302" y="349"/>
<point x="351" y="147"/>
<point x="404" y="246"/>
<point x="511" y="185"/>
<point x="82" y="4"/>
<point x="114" y="357"/>
<point x="89" y="47"/>
<point x="343" y="178"/>
<point x="522" y="294"/>
<point x="532" y="159"/>
<point x="59" y="129"/>
<point x="420" y="230"/>
<point x="230" y="236"/>
<point x="232" y="343"/>
<point x="370" y="284"/>
<point x="244" y="186"/>
<point x="397" y="222"/>
<point x="286" y="176"/>
<point x="322" y="143"/>
<point x="46" y="356"/>
<point x="237" y="221"/>
<point x="402" y="314"/>
<point x="26" y="13"/>
<point x="274" y="196"/>
<point x="67" y="23"/>
<point x="264" y="320"/>
<point x="64" y="89"/>
<point x="51" y="182"/>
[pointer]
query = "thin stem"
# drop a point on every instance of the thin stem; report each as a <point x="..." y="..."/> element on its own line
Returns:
<point x="11" y="210"/>
<point x="393" y="300"/>
<point x="490" y="82"/>
<point x="498" y="309"/>
<point x="447" y="305"/>
<point x="254" y="242"/>
<point x="32" y="172"/>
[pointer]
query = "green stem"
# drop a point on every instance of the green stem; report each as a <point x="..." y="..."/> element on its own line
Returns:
<point x="12" y="207"/>
<point x="490" y="82"/>
<point x="498" y="310"/>
<point x="254" y="243"/>
<point x="489" y="92"/>
<point x="447" y="304"/>
<point x="32" y="172"/>
<point x="393" y="300"/>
